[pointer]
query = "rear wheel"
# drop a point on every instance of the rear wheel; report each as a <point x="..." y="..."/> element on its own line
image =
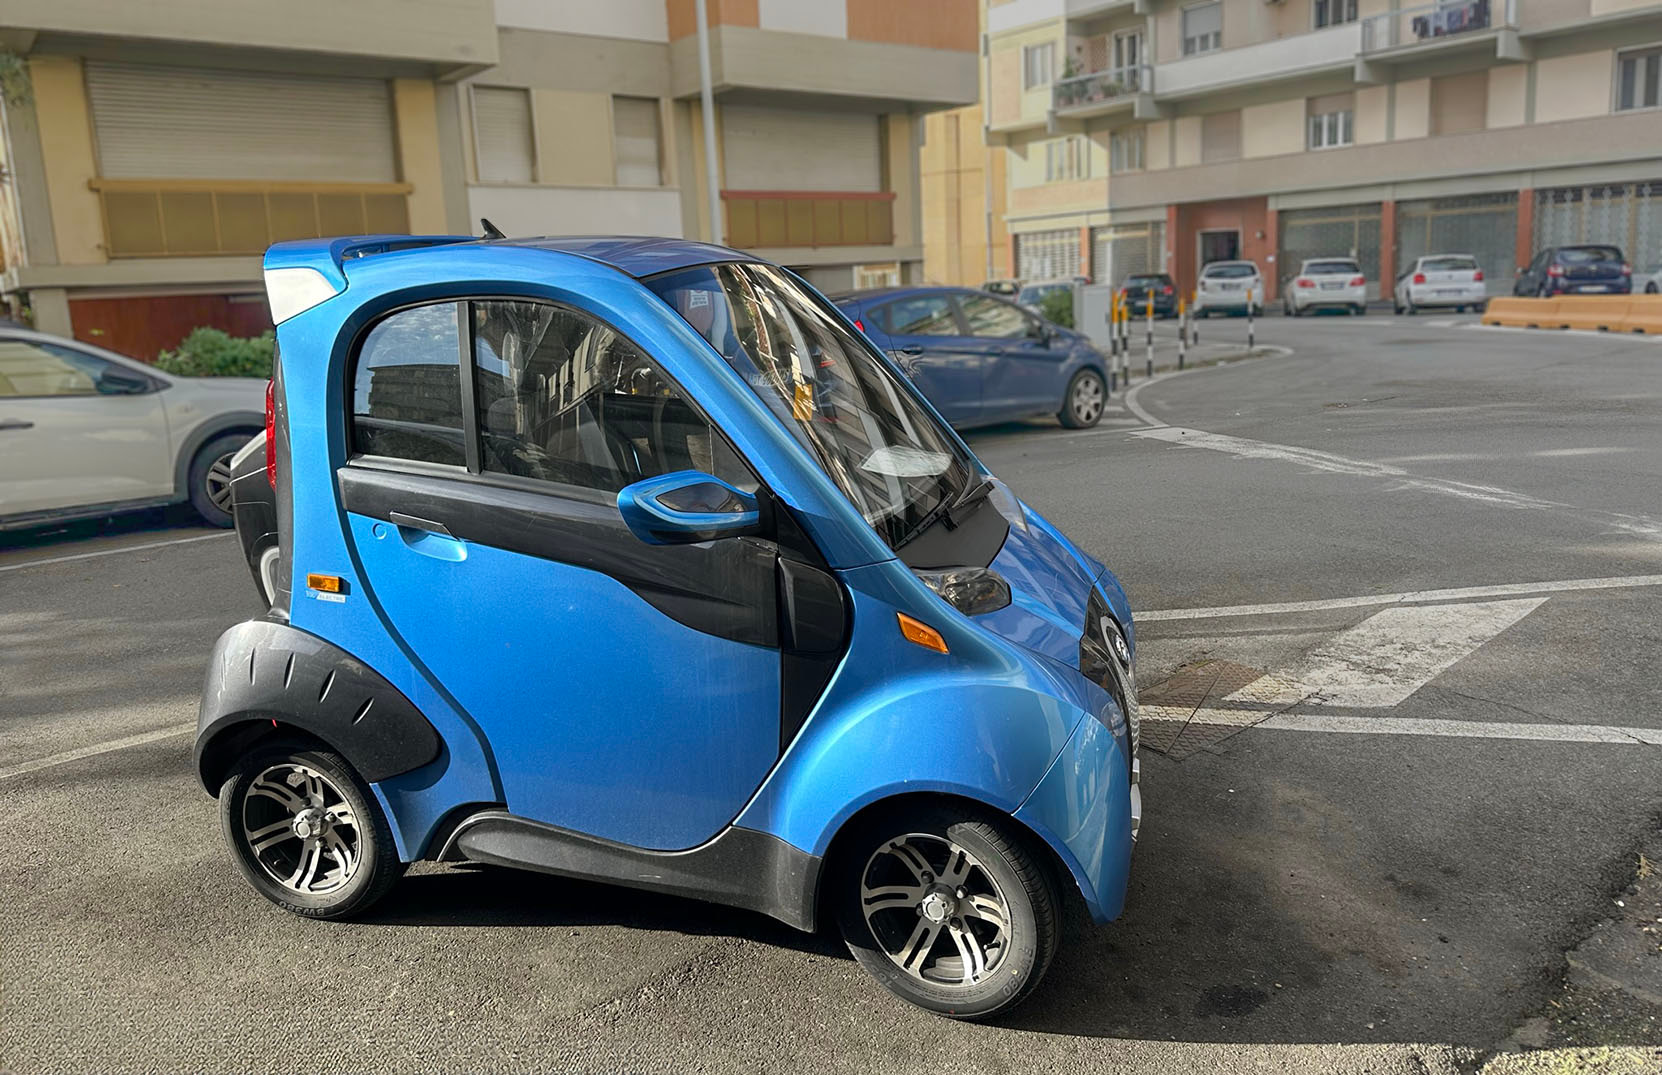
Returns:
<point x="1650" y="288"/>
<point x="1086" y="396"/>
<point x="306" y="832"/>
<point x="210" y="478"/>
<point x="949" y="911"/>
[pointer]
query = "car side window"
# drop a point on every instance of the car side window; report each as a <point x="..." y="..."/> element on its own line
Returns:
<point x="993" y="319"/>
<point x="406" y="388"/>
<point x="28" y="369"/>
<point x="563" y="397"/>
<point x="921" y="315"/>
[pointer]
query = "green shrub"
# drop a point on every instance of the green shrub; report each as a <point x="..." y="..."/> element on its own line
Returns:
<point x="1057" y="308"/>
<point x="210" y="352"/>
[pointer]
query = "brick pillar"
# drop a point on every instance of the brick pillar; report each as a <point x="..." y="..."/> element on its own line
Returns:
<point x="1085" y="266"/>
<point x="1272" y="269"/>
<point x="1010" y="254"/>
<point x="1524" y="246"/>
<point x="1177" y="264"/>
<point x="1387" y="249"/>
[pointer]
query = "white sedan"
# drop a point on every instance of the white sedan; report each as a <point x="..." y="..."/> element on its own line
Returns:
<point x="1648" y="281"/>
<point x="86" y="433"/>
<point x="1452" y="281"/>
<point x="1326" y="283"/>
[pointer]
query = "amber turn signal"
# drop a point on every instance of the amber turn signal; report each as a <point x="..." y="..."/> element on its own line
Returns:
<point x="326" y="583"/>
<point x="921" y="633"/>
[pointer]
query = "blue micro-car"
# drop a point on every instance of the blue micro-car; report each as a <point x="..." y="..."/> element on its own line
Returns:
<point x="632" y="560"/>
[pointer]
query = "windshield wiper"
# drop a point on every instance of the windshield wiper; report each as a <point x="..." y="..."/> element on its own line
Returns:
<point x="972" y="494"/>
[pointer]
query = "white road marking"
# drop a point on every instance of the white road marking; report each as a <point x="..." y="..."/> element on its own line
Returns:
<point x="1466" y="729"/>
<point x="1626" y="337"/>
<point x="1242" y="448"/>
<point x="1388" y="656"/>
<point x="1411" y="597"/>
<point x="112" y="552"/>
<point x="1490" y="457"/>
<point x="94" y="750"/>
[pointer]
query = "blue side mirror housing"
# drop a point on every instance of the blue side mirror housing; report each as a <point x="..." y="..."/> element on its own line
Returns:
<point x="686" y="507"/>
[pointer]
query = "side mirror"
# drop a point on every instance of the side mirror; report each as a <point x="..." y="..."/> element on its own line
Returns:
<point x="1038" y="330"/>
<point x="115" y="382"/>
<point x="687" y="507"/>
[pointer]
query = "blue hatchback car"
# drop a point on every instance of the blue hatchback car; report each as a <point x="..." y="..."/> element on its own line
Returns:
<point x="982" y="360"/>
<point x="632" y="560"/>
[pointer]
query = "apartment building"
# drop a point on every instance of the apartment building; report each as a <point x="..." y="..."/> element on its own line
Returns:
<point x="1169" y="133"/>
<point x="151" y="152"/>
<point x="965" y="238"/>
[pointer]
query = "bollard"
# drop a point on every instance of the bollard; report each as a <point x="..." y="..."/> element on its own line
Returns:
<point x="1182" y="330"/>
<point x="1194" y="322"/>
<point x="1150" y="307"/>
<point x="1113" y="343"/>
<point x="1249" y="319"/>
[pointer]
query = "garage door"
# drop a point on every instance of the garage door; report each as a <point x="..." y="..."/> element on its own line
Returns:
<point x="1628" y="215"/>
<point x="1340" y="231"/>
<point x="771" y="149"/>
<point x="1482" y="225"/>
<point x="1047" y="255"/>
<point x="1127" y="249"/>
<point x="155" y="122"/>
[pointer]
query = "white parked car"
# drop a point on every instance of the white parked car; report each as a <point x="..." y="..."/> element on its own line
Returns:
<point x="1224" y="287"/>
<point x="1648" y="281"/>
<point x="1452" y="281"/>
<point x="86" y="433"/>
<point x="1326" y="283"/>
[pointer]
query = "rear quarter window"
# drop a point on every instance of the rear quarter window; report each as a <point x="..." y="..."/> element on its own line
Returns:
<point x="407" y="389"/>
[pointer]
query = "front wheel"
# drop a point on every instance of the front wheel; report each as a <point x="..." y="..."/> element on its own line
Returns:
<point x="950" y="912"/>
<point x="210" y="478"/>
<point x="306" y="833"/>
<point x="1086" y="396"/>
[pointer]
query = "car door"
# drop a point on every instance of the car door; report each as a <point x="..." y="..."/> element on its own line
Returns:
<point x="77" y="430"/>
<point x="628" y="691"/>
<point x="1529" y="280"/>
<point x="1022" y="360"/>
<point x="923" y="335"/>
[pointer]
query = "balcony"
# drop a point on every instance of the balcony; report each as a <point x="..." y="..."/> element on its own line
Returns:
<point x="1445" y="27"/>
<point x="758" y="219"/>
<point x="1332" y="48"/>
<point x="1101" y="93"/>
<point x="146" y="218"/>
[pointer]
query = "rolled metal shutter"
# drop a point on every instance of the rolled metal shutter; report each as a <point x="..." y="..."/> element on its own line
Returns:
<point x="774" y="149"/>
<point x="1628" y="215"/>
<point x="159" y="122"/>
<point x="1125" y="250"/>
<point x="1047" y="255"/>
<point x="1482" y="225"/>
<point x="1338" y="231"/>
<point x="502" y="135"/>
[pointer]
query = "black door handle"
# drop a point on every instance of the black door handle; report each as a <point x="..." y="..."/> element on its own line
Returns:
<point x="15" y="423"/>
<point x="910" y="349"/>
<point x="411" y="522"/>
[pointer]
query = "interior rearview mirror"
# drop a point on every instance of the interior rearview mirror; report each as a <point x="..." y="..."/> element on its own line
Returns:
<point x="686" y="507"/>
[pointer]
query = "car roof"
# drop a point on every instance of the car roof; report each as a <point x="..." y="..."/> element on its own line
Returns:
<point x="873" y="294"/>
<point x="636" y="255"/>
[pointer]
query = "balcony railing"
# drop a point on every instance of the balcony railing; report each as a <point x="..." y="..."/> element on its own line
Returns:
<point x="1111" y="86"/>
<point x="180" y="218"/>
<point x="1433" y="23"/>
<point x="770" y="218"/>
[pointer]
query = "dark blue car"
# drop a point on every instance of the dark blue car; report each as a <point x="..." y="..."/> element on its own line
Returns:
<point x="980" y="359"/>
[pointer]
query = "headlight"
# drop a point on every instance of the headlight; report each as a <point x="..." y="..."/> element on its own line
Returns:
<point x="1105" y="658"/>
<point x="970" y="590"/>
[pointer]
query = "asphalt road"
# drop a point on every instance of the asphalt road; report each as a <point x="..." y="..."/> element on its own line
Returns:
<point x="1371" y="857"/>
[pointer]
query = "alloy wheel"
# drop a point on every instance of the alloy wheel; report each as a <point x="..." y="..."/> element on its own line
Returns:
<point x="301" y="829"/>
<point x="935" y="910"/>
<point x="1087" y="400"/>
<point x="218" y="482"/>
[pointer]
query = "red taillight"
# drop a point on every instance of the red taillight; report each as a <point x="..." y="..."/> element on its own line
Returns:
<point x="271" y="433"/>
<point x="1555" y="270"/>
<point x="1419" y="278"/>
<point x="1477" y="277"/>
<point x="859" y="324"/>
<point x="1165" y="290"/>
<point x="1358" y="281"/>
<point x="1306" y="282"/>
<point x="1627" y="270"/>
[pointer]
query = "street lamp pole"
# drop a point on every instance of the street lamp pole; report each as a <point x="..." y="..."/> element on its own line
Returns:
<point x="708" y="110"/>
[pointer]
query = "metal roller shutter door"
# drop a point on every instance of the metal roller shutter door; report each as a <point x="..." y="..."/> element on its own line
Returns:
<point x="1333" y="232"/>
<point x="1628" y="215"/>
<point x="155" y="122"/>
<point x="1123" y="250"/>
<point x="1482" y="225"/>
<point x="1047" y="255"/>
<point x="772" y="149"/>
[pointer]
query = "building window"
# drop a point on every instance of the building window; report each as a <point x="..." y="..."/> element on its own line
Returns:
<point x="1202" y="28"/>
<point x="635" y="142"/>
<point x="1220" y="137"/>
<point x="1331" y="120"/>
<point x="1334" y="12"/>
<point x="502" y="138"/>
<point x="1125" y="150"/>
<point x="1067" y="159"/>
<point x="1639" y="80"/>
<point x="1037" y="62"/>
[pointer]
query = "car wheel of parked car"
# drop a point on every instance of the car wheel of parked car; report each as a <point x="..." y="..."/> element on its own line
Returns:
<point x="1082" y="406"/>
<point x="306" y="833"/>
<point x="210" y="478"/>
<point x="1650" y="288"/>
<point x="949" y="911"/>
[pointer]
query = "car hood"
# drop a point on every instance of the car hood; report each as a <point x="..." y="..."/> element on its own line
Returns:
<point x="1050" y="583"/>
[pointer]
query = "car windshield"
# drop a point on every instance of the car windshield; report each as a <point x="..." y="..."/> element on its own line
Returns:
<point x="842" y="401"/>
<point x="1589" y="255"/>
<point x="1229" y="272"/>
<point x="1449" y="264"/>
<point x="1145" y="281"/>
<point x="1326" y="268"/>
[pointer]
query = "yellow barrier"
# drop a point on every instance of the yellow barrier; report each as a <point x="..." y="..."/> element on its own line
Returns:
<point x="1644" y="314"/>
<point x="1594" y="313"/>
<point x="1522" y="313"/>
<point x="1589" y="313"/>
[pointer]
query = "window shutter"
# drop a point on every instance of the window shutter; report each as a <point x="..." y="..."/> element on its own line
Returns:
<point x="1220" y="137"/>
<point x="502" y="133"/>
<point x="635" y="141"/>
<point x="1459" y="103"/>
<point x="774" y="149"/>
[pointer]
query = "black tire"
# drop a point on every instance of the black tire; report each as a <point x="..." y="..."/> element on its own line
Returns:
<point x="210" y="478"/>
<point x="1650" y="288"/>
<point x="1359" y="311"/>
<point x="1082" y="404"/>
<point x="1013" y="957"/>
<point x="370" y="863"/>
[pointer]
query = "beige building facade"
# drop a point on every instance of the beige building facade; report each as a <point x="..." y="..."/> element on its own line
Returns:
<point x="151" y="153"/>
<point x="1162" y="134"/>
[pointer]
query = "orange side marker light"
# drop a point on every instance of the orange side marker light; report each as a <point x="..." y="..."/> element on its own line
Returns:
<point x="326" y="583"/>
<point x="916" y="631"/>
